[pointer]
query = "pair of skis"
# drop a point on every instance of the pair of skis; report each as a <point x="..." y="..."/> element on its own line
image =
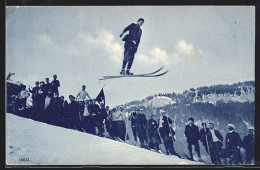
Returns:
<point x="152" y="74"/>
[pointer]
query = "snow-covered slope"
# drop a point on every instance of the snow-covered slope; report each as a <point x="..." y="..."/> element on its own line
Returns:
<point x="45" y="144"/>
<point x="158" y="101"/>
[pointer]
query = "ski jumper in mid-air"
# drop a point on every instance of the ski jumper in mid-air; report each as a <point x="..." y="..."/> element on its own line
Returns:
<point x="132" y="41"/>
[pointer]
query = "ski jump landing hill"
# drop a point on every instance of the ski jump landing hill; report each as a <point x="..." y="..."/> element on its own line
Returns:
<point x="29" y="142"/>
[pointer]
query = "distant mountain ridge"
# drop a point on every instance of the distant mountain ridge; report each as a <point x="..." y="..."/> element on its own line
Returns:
<point x="241" y="92"/>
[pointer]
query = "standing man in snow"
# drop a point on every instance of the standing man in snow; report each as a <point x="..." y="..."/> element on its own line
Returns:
<point x="55" y="84"/>
<point x="132" y="118"/>
<point x="193" y="135"/>
<point x="47" y="87"/>
<point x="215" y="143"/>
<point x="233" y="145"/>
<point x="203" y="136"/>
<point x="152" y="133"/>
<point x="81" y="98"/>
<point x="164" y="130"/>
<point x="141" y="128"/>
<point x="118" y="124"/>
<point x="248" y="145"/>
<point x="132" y="41"/>
<point x="35" y="95"/>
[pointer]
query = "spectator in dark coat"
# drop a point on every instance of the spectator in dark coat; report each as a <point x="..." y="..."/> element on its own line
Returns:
<point x="53" y="110"/>
<point x="63" y="106"/>
<point x="141" y="128"/>
<point x="35" y="95"/>
<point x="165" y="133"/>
<point x="42" y="95"/>
<point x="193" y="135"/>
<point x="248" y="144"/>
<point x="108" y="121"/>
<point x="132" y="119"/>
<point x="203" y="138"/>
<point x="55" y="84"/>
<point x="233" y="144"/>
<point x="73" y="112"/>
<point x="48" y="87"/>
<point x="152" y="133"/>
<point x="215" y="143"/>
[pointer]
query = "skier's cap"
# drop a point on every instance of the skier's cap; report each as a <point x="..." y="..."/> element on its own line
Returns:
<point x="162" y="111"/>
<point x="251" y="128"/>
<point x="140" y="19"/>
<point x="231" y="125"/>
<point x="71" y="96"/>
<point x="121" y="107"/>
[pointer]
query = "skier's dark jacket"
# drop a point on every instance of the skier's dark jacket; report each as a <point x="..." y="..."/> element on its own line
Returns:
<point x="151" y="127"/>
<point x="192" y="133"/>
<point x="132" y="118"/>
<point x="248" y="143"/>
<point x="165" y="125"/>
<point x="134" y="33"/>
<point x="233" y="141"/>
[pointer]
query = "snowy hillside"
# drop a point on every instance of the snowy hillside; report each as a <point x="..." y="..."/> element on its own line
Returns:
<point x="158" y="101"/>
<point x="213" y="98"/>
<point x="45" y="144"/>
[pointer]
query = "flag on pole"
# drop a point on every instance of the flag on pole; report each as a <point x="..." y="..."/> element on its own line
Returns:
<point x="101" y="97"/>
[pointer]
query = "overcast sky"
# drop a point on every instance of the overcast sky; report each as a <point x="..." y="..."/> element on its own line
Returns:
<point x="199" y="45"/>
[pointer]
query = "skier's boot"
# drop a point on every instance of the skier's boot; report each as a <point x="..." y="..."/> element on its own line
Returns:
<point x="122" y="72"/>
<point x="128" y="72"/>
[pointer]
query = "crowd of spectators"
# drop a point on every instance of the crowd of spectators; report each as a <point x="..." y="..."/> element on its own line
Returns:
<point x="88" y="115"/>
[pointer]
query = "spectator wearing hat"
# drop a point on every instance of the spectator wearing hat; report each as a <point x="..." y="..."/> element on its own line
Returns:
<point x="248" y="144"/>
<point x="152" y="133"/>
<point x="132" y="41"/>
<point x="164" y="130"/>
<point x="55" y="84"/>
<point x="233" y="144"/>
<point x="193" y="135"/>
<point x="141" y="128"/>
